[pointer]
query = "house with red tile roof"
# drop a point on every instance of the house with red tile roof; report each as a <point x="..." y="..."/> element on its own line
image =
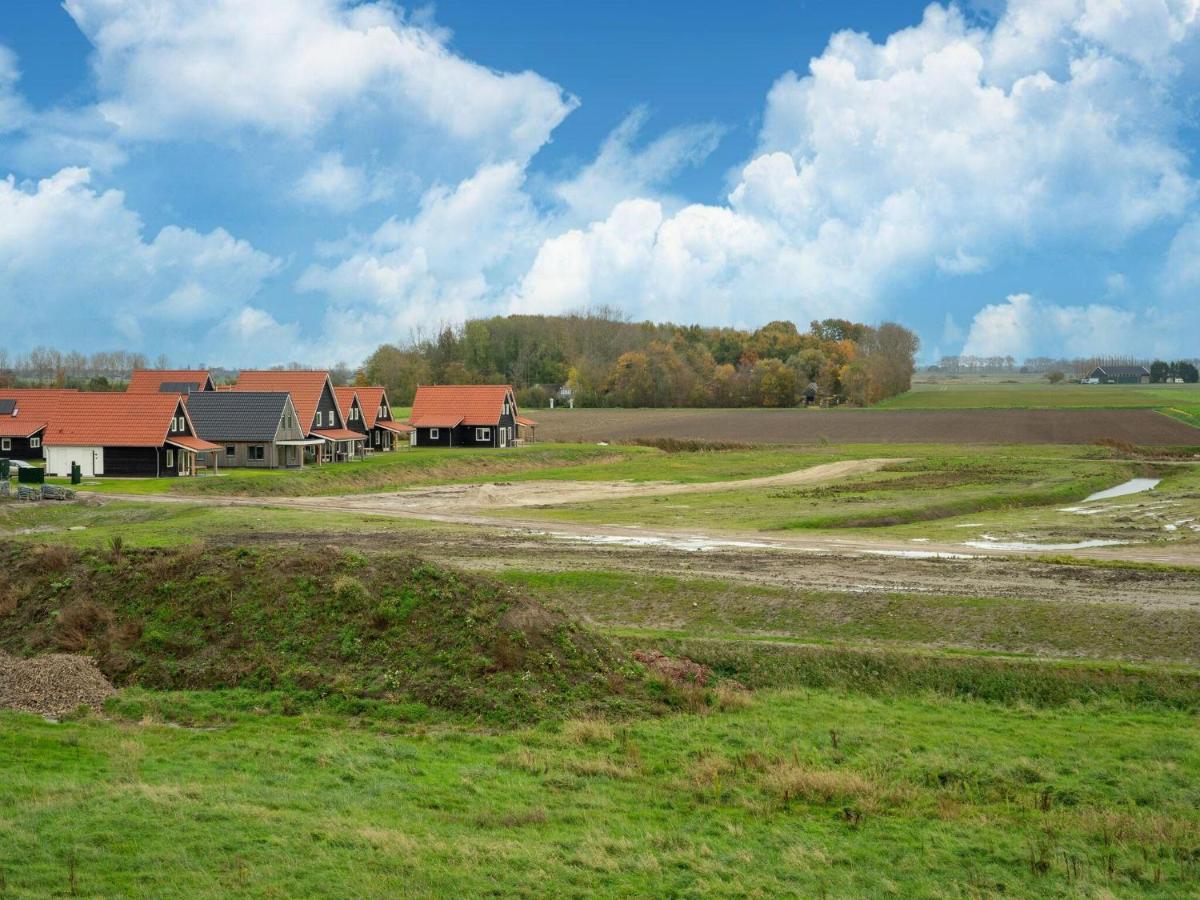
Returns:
<point x="326" y="436"/>
<point x="24" y="415"/>
<point x="465" y="415"/>
<point x="169" y="381"/>
<point x="367" y="410"/>
<point x="122" y="434"/>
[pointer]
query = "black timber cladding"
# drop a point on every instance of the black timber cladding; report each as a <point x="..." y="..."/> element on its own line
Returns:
<point x="237" y="415"/>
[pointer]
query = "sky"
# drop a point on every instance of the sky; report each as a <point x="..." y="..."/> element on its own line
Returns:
<point x="244" y="183"/>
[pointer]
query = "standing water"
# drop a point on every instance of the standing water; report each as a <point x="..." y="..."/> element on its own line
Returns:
<point x="1133" y="486"/>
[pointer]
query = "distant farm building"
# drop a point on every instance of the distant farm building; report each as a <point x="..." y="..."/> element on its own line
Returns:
<point x="1119" y="375"/>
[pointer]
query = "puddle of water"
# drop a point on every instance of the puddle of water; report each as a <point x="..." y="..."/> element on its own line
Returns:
<point x="919" y="554"/>
<point x="1026" y="545"/>
<point x="691" y="544"/>
<point x="1132" y="486"/>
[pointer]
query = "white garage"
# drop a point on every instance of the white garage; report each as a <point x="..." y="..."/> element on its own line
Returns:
<point x="59" y="459"/>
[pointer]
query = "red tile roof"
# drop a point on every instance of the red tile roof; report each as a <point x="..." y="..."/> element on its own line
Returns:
<point x="112" y="419"/>
<point x="33" y="410"/>
<point x="521" y="420"/>
<point x="369" y="398"/>
<point x="398" y="427"/>
<point x="305" y="386"/>
<point x="447" y="405"/>
<point x="150" y="380"/>
<point x="345" y="399"/>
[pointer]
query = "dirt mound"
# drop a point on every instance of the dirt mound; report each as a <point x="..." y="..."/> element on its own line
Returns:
<point x="313" y="622"/>
<point x="51" y="685"/>
<point x="678" y="670"/>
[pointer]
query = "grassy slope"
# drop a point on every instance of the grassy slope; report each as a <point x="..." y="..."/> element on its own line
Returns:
<point x="804" y="792"/>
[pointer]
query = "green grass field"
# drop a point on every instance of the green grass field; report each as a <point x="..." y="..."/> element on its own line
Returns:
<point x="1181" y="398"/>
<point x="809" y="793"/>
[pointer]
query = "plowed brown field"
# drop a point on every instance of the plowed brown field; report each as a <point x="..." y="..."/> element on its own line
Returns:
<point x="845" y="426"/>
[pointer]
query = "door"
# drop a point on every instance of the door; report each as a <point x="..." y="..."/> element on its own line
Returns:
<point x="503" y="436"/>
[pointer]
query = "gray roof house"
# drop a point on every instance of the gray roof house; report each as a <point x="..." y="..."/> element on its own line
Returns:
<point x="258" y="429"/>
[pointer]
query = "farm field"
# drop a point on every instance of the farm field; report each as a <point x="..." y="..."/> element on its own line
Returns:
<point x="874" y="426"/>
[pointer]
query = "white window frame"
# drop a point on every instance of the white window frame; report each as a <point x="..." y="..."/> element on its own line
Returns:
<point x="320" y="420"/>
<point x="434" y="433"/>
<point x="170" y="459"/>
<point x="5" y="443"/>
<point x="35" y="443"/>
<point x="483" y="434"/>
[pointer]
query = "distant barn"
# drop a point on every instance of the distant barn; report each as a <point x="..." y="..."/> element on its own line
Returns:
<point x="1120" y="375"/>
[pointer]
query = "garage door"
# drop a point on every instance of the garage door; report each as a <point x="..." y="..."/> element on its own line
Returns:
<point x="90" y="459"/>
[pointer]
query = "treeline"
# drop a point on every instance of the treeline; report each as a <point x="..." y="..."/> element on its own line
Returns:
<point x="600" y="359"/>
<point x="1182" y="370"/>
<point x="48" y="367"/>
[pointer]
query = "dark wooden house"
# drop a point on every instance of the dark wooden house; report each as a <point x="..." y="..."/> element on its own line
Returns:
<point x="368" y="412"/>
<point x="169" y="381"/>
<point x="25" y="414"/>
<point x="139" y="435"/>
<point x="475" y="415"/>
<point x="320" y="416"/>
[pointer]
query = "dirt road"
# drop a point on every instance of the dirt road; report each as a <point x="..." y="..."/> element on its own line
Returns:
<point x="455" y="498"/>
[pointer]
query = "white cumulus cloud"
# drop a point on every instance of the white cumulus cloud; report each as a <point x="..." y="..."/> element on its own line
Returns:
<point x="83" y="251"/>
<point x="195" y="68"/>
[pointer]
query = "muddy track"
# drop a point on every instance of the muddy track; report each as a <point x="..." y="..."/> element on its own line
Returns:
<point x="496" y="549"/>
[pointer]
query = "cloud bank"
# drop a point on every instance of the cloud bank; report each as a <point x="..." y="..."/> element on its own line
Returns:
<point x="931" y="158"/>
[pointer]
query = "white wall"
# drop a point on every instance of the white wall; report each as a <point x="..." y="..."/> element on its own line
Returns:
<point x="59" y="459"/>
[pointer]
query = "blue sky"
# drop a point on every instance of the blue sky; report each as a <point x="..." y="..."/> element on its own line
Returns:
<point x="247" y="184"/>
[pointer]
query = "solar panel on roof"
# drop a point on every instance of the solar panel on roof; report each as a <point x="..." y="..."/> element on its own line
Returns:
<point x="176" y="387"/>
<point x="8" y="407"/>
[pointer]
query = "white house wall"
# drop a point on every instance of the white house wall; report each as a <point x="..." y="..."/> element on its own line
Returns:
<point x="59" y="459"/>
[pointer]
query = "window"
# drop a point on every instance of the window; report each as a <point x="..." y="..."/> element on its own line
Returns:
<point x="170" y="459"/>
<point x="35" y="442"/>
<point x="180" y="424"/>
<point x="230" y="450"/>
<point x="255" y="452"/>
<point x="5" y="443"/>
<point x="433" y="434"/>
<point x="483" y="434"/>
<point x="318" y="418"/>
<point x="382" y="411"/>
